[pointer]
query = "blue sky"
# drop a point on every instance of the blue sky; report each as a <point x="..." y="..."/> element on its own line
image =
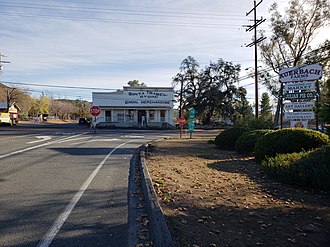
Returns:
<point x="105" y="44"/>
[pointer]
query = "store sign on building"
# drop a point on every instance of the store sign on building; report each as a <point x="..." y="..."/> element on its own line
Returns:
<point x="309" y="72"/>
<point x="147" y="98"/>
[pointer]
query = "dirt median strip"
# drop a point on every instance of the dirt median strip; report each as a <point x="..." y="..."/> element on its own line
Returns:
<point x="212" y="197"/>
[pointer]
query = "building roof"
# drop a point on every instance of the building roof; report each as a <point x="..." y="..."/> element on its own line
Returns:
<point x="3" y="105"/>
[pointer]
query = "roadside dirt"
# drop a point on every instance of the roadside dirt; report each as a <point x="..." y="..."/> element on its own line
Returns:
<point x="212" y="197"/>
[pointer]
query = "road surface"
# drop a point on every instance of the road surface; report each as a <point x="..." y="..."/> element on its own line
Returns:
<point x="64" y="185"/>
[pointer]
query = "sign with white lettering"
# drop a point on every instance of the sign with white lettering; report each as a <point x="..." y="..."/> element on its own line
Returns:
<point x="299" y="105"/>
<point x="300" y="86"/>
<point x="310" y="72"/>
<point x="304" y="95"/>
<point x="299" y="115"/>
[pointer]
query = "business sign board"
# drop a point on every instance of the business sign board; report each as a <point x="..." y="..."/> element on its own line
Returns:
<point x="309" y="72"/>
<point x="299" y="105"/>
<point x="147" y="98"/>
<point x="299" y="124"/>
<point x="297" y="96"/>
<point x="304" y="115"/>
<point x="150" y="98"/>
<point x="300" y="86"/>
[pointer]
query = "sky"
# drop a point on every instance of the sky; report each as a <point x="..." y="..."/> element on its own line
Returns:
<point x="70" y="48"/>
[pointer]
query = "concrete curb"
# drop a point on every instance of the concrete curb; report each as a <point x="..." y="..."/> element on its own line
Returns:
<point x="159" y="233"/>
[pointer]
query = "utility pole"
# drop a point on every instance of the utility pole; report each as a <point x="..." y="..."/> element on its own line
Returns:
<point x="254" y="43"/>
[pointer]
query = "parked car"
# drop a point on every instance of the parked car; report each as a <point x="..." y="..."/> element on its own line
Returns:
<point x="84" y="121"/>
<point x="5" y="118"/>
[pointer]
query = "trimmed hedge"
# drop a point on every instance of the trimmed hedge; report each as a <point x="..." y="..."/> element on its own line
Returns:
<point x="246" y="142"/>
<point x="306" y="169"/>
<point x="227" y="138"/>
<point x="288" y="141"/>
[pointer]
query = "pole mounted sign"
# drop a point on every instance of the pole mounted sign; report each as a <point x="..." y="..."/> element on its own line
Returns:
<point x="95" y="110"/>
<point x="182" y="121"/>
<point x="191" y="125"/>
<point x="309" y="72"/>
<point x="299" y="86"/>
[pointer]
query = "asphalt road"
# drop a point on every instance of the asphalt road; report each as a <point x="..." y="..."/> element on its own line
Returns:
<point x="64" y="185"/>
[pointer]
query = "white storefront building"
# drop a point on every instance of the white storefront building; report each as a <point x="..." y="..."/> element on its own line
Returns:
<point x="144" y="107"/>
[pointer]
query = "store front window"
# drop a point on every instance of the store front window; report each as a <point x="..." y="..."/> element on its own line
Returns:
<point x="130" y="115"/>
<point x="108" y="116"/>
<point x="162" y="115"/>
<point x="151" y="115"/>
<point x="120" y="117"/>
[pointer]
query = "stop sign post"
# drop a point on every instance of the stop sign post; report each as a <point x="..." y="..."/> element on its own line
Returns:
<point x="182" y="121"/>
<point x="95" y="111"/>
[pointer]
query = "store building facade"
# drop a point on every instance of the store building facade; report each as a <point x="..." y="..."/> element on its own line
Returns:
<point x="137" y="107"/>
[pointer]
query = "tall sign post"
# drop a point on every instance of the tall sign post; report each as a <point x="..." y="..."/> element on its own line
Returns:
<point x="300" y="93"/>
<point x="191" y="125"/>
<point x="94" y="111"/>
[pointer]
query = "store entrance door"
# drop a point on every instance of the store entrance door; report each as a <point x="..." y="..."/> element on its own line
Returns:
<point x="142" y="118"/>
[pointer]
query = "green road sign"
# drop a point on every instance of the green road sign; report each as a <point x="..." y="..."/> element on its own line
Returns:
<point x="191" y="124"/>
<point x="191" y="112"/>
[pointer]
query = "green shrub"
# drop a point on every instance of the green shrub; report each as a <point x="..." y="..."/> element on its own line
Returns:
<point x="227" y="138"/>
<point x="280" y="166"/>
<point x="288" y="141"/>
<point x="306" y="169"/>
<point x="210" y="142"/>
<point x="246" y="142"/>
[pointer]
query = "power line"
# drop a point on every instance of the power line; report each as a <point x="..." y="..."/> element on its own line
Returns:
<point x="58" y="86"/>
<point x="115" y="10"/>
<point x="135" y="22"/>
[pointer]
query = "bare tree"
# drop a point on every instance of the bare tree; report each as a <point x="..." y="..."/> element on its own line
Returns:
<point x="292" y="35"/>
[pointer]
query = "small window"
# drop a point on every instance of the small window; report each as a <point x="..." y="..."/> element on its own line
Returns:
<point x="151" y="115"/>
<point x="108" y="116"/>
<point x="162" y="115"/>
<point x="120" y="117"/>
<point x="130" y="115"/>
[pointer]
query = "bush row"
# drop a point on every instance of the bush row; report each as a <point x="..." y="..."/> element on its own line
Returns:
<point x="307" y="169"/>
<point x="269" y="143"/>
<point x="246" y="142"/>
<point x="286" y="153"/>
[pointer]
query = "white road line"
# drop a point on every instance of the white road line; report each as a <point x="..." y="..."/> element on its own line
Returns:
<point x="75" y="139"/>
<point x="132" y="136"/>
<point x="50" y="235"/>
<point x="95" y="140"/>
<point x="40" y="139"/>
<point x="34" y="147"/>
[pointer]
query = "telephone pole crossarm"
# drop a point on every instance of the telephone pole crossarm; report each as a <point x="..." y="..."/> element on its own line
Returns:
<point x="256" y="40"/>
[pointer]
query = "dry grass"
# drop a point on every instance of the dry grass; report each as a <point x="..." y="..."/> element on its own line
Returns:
<point x="212" y="197"/>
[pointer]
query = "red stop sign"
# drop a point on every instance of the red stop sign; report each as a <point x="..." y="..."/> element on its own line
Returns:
<point x="182" y="121"/>
<point x="95" y="110"/>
